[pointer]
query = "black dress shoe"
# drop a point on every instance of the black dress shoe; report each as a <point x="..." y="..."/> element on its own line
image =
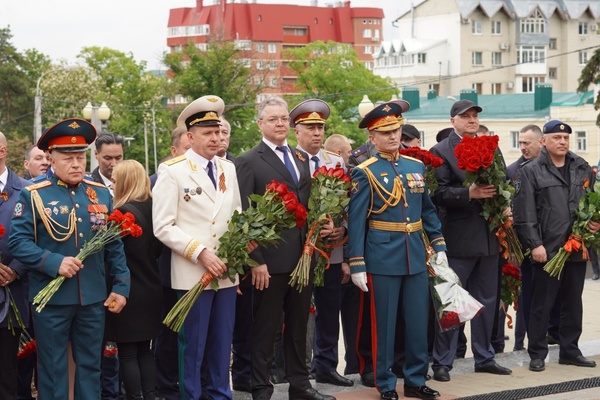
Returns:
<point x="421" y="392"/>
<point x="389" y="395"/>
<point x="441" y="374"/>
<point x="333" y="378"/>
<point x="368" y="379"/>
<point x="309" y="394"/>
<point x="579" y="361"/>
<point x="537" y="365"/>
<point x="493" y="369"/>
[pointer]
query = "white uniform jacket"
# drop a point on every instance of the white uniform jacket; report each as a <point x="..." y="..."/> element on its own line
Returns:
<point x="190" y="215"/>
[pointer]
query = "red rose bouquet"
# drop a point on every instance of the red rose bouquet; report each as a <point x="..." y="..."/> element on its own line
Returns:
<point x="118" y="225"/>
<point x="510" y="289"/>
<point x="483" y="166"/>
<point x="581" y="238"/>
<point x="277" y="209"/>
<point x="328" y="199"/>
<point x="431" y="162"/>
<point x="453" y="305"/>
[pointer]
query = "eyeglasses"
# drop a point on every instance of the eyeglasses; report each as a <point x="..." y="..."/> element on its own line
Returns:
<point x="274" y="120"/>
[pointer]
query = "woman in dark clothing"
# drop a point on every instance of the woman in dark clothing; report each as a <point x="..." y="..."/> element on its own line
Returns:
<point x="140" y="320"/>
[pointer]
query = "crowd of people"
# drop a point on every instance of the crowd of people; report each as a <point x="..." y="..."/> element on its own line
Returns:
<point x="100" y="335"/>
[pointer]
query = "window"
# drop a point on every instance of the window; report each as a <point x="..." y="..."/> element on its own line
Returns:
<point x="260" y="47"/>
<point x="246" y="62"/>
<point x="243" y="45"/>
<point x="272" y="48"/>
<point x="552" y="44"/>
<point x="531" y="54"/>
<point x="496" y="88"/>
<point x="535" y="24"/>
<point x="368" y="50"/>
<point x="202" y="46"/>
<point x="583" y="28"/>
<point x="530" y="81"/>
<point x="258" y="80"/>
<point x="376" y="34"/>
<point x="496" y="58"/>
<point x="476" y="27"/>
<point x="583" y="57"/>
<point x="581" y="137"/>
<point x="478" y="87"/>
<point x="273" y="64"/>
<point x="421" y="58"/>
<point x="514" y="140"/>
<point x="496" y="27"/>
<point x="273" y="82"/>
<point x="260" y="65"/>
<point x="552" y="73"/>
<point x="369" y="65"/>
<point x="367" y="33"/>
<point x="477" y="58"/>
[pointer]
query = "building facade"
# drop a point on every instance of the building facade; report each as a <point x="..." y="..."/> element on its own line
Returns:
<point x="492" y="46"/>
<point x="264" y="31"/>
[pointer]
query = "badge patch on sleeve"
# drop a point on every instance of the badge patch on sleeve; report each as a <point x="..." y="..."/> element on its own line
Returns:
<point x="355" y="187"/>
<point x="517" y="185"/>
<point x="19" y="207"/>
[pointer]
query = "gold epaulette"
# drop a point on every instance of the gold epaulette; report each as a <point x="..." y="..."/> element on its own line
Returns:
<point x="411" y="158"/>
<point x="368" y="162"/>
<point x="94" y="183"/>
<point x="332" y="153"/>
<point x="224" y="159"/>
<point x="37" y="186"/>
<point x="175" y="160"/>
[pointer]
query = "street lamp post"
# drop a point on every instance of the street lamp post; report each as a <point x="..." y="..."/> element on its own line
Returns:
<point x="98" y="116"/>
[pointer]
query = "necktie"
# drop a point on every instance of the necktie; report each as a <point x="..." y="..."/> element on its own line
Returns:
<point x="288" y="163"/>
<point x="211" y="175"/>
<point x="316" y="160"/>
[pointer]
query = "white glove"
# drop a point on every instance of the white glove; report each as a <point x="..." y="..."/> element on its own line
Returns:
<point x="441" y="258"/>
<point x="360" y="280"/>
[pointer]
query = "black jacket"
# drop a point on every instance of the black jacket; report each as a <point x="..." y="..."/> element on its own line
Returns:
<point x="545" y="204"/>
<point x="466" y="232"/>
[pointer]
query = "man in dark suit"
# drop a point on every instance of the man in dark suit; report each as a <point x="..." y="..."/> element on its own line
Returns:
<point x="273" y="159"/>
<point x="13" y="275"/>
<point x="472" y="249"/>
<point x="109" y="152"/>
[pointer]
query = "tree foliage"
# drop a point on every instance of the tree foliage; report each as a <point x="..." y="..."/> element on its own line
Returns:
<point x="221" y="70"/>
<point x="590" y="75"/>
<point x="332" y="72"/>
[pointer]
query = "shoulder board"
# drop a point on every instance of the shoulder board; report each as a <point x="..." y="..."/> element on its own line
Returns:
<point x="361" y="150"/>
<point x="224" y="159"/>
<point x="365" y="164"/>
<point x="93" y="183"/>
<point x="39" y="185"/>
<point x="175" y="160"/>
<point x="39" y="178"/>
<point x="331" y="152"/>
<point x="411" y="158"/>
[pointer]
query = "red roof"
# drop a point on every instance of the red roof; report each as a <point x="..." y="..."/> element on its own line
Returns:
<point x="265" y="22"/>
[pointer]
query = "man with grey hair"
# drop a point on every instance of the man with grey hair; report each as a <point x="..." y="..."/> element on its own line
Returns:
<point x="225" y="136"/>
<point x="274" y="159"/>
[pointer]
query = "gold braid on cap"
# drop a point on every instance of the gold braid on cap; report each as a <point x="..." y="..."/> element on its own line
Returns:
<point x="50" y="224"/>
<point x="390" y="199"/>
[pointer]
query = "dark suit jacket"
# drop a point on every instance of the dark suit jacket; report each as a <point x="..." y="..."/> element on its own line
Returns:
<point x="255" y="169"/>
<point x="19" y="287"/>
<point x="96" y="176"/>
<point x="466" y="232"/>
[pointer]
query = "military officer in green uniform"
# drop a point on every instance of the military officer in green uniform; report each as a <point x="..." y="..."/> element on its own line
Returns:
<point x="51" y="222"/>
<point x="390" y="212"/>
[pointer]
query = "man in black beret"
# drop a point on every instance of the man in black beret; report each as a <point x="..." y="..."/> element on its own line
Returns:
<point x="411" y="137"/>
<point x="544" y="186"/>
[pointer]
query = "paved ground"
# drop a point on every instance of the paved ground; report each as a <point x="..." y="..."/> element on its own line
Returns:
<point x="464" y="382"/>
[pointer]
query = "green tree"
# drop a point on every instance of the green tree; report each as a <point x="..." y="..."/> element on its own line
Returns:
<point x="590" y="75"/>
<point x="16" y="96"/>
<point x="332" y="72"/>
<point x="221" y="70"/>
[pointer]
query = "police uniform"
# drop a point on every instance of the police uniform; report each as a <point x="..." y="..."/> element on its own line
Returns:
<point x="390" y="211"/>
<point x="52" y="220"/>
<point x="327" y="325"/>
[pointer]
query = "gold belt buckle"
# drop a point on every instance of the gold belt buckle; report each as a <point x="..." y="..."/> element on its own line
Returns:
<point x="408" y="228"/>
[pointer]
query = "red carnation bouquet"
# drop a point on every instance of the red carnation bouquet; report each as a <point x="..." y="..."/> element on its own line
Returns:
<point x="118" y="225"/>
<point x="510" y="289"/>
<point x="431" y="162"/>
<point x="328" y="200"/>
<point x="276" y="210"/>
<point x="452" y="303"/>
<point x="483" y="166"/>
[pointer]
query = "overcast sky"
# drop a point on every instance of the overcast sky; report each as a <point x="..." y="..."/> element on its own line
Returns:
<point x="61" y="28"/>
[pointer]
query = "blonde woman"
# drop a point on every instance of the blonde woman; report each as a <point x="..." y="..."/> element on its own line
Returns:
<point x="140" y="321"/>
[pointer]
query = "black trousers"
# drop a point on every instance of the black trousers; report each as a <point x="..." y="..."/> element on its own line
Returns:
<point x="9" y="346"/>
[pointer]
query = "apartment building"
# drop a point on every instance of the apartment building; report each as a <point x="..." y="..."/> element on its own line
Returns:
<point x="491" y="46"/>
<point x="264" y="31"/>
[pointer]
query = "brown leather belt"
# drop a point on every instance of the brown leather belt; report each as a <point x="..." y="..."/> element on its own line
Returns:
<point x="396" y="226"/>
